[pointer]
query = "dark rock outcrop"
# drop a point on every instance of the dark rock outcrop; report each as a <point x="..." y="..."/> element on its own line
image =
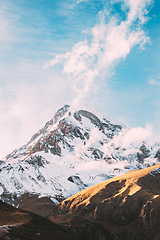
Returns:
<point x="97" y="154"/>
<point x="158" y="155"/>
<point x="144" y="153"/>
<point x="77" y="181"/>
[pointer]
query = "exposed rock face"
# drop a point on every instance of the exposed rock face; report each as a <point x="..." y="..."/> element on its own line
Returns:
<point x="97" y="154"/>
<point x="126" y="207"/>
<point x="158" y="155"/>
<point x="67" y="138"/>
<point x="144" y="153"/>
<point x="76" y="149"/>
<point x="148" y="218"/>
<point x="94" y="119"/>
<point x="77" y="180"/>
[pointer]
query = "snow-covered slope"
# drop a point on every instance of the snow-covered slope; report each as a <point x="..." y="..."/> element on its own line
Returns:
<point x="74" y="150"/>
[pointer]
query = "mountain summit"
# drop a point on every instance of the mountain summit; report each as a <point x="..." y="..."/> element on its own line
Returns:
<point x="76" y="149"/>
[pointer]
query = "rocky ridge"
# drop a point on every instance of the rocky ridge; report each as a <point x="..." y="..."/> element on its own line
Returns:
<point x="126" y="207"/>
<point x="74" y="150"/>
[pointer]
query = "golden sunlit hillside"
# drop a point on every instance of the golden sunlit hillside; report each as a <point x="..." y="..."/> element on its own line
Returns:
<point x="125" y="207"/>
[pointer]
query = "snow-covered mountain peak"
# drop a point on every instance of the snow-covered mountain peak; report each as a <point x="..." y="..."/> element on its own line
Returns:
<point x="75" y="149"/>
<point x="66" y="123"/>
<point x="51" y="125"/>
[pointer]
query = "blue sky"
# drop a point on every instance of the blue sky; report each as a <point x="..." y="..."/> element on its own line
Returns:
<point x="105" y="53"/>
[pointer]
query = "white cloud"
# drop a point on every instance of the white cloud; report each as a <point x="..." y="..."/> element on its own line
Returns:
<point x="135" y="137"/>
<point x="153" y="81"/>
<point x="137" y="9"/>
<point x="28" y="103"/>
<point x="110" y="42"/>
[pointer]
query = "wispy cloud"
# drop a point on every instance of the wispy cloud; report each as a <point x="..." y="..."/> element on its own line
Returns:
<point x="109" y="43"/>
<point x="72" y="4"/>
<point x="79" y="1"/>
<point x="7" y="24"/>
<point x="29" y="95"/>
<point x="154" y="81"/>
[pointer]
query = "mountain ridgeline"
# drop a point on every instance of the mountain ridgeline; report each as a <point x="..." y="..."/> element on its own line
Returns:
<point x="126" y="207"/>
<point x="76" y="149"/>
<point x="83" y="150"/>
